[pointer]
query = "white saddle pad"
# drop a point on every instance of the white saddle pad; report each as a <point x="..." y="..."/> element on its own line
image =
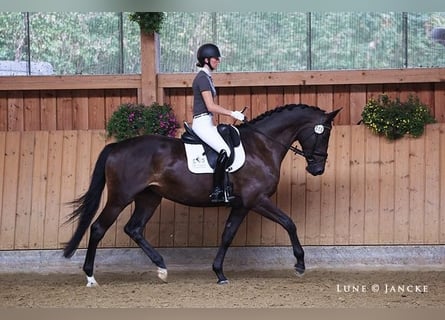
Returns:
<point x="197" y="160"/>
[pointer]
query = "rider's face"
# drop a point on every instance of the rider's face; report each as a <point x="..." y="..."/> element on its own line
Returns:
<point x="214" y="62"/>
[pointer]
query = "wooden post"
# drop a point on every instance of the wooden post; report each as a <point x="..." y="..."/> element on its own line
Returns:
<point x="149" y="67"/>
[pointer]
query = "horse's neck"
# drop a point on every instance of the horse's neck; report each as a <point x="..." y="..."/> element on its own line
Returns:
<point x="278" y="136"/>
<point x="281" y="131"/>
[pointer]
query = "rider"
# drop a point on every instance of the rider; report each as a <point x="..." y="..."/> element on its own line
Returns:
<point x="204" y="107"/>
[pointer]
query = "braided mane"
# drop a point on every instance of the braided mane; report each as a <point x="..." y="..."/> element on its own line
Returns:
<point x="268" y="113"/>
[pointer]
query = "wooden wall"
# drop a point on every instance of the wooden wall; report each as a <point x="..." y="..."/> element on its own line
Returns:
<point x="86" y="102"/>
<point x="351" y="98"/>
<point x="373" y="192"/>
<point x="28" y="110"/>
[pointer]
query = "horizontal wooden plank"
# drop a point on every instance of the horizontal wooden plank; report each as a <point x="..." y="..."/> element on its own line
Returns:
<point x="305" y="78"/>
<point x="233" y="79"/>
<point x="70" y="82"/>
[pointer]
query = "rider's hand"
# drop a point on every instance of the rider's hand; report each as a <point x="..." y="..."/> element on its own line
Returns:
<point x="238" y="115"/>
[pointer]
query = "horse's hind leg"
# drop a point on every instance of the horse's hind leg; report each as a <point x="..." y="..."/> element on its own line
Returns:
<point x="146" y="203"/>
<point x="98" y="229"/>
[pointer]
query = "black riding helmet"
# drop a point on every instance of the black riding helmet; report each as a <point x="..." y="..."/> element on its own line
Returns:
<point x="207" y="50"/>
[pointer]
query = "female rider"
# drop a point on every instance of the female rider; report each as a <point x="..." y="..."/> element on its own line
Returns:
<point x="204" y="107"/>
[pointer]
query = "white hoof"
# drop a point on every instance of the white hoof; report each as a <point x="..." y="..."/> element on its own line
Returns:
<point x="162" y="274"/>
<point x="91" y="282"/>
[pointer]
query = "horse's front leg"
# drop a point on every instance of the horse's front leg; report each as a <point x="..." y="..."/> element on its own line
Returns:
<point x="233" y="222"/>
<point x="267" y="209"/>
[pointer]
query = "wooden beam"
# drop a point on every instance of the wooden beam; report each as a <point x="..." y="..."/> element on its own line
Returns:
<point x="70" y="82"/>
<point x="147" y="82"/>
<point x="149" y="67"/>
<point x="303" y="78"/>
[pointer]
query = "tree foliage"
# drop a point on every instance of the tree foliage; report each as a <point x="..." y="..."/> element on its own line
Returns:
<point x="92" y="43"/>
<point x="148" y="21"/>
<point x="87" y="43"/>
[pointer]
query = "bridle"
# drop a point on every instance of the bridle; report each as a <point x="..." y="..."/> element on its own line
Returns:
<point x="318" y="130"/>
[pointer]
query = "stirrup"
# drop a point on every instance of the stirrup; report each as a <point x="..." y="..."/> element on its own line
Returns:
<point x="217" y="195"/>
<point x="228" y="193"/>
<point x="221" y="196"/>
<point x="228" y="197"/>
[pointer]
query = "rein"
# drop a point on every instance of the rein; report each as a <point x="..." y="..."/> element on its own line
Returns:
<point x="295" y="150"/>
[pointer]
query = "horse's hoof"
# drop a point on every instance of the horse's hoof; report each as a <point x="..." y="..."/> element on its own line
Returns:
<point x="91" y="282"/>
<point x="162" y="274"/>
<point x="299" y="274"/>
<point x="299" y="270"/>
<point x="223" y="281"/>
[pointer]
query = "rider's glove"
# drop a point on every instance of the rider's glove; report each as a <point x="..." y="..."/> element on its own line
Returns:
<point x="238" y="115"/>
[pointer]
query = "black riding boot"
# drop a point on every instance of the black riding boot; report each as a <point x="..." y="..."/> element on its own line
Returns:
<point x="221" y="185"/>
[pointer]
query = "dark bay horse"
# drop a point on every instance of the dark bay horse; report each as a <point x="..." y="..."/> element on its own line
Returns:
<point x="146" y="169"/>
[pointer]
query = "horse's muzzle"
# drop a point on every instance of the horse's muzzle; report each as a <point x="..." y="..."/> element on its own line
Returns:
<point x="315" y="169"/>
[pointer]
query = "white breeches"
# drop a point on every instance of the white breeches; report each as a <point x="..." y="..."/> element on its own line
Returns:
<point x="203" y="126"/>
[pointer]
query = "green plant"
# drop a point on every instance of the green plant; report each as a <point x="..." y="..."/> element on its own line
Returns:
<point x="393" y="118"/>
<point x="131" y="120"/>
<point x="148" y="21"/>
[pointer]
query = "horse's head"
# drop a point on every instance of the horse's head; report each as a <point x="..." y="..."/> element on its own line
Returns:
<point x="309" y="125"/>
<point x="314" y="140"/>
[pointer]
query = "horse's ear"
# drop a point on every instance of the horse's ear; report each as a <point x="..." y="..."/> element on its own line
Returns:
<point x="332" y="114"/>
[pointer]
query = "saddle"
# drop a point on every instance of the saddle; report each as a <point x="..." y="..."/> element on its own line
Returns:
<point x="228" y="132"/>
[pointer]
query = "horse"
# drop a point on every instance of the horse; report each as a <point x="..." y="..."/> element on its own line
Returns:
<point x="145" y="169"/>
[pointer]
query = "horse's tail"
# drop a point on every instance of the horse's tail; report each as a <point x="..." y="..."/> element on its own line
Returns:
<point x="88" y="203"/>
